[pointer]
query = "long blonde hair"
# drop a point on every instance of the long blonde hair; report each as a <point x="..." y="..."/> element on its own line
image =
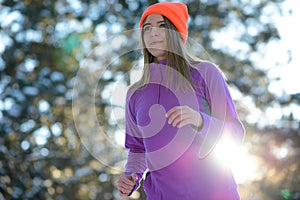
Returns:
<point x="177" y="57"/>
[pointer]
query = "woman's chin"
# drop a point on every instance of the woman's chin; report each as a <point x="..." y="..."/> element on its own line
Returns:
<point x="158" y="53"/>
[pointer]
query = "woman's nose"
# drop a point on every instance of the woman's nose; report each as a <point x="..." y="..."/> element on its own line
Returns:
<point x="154" y="31"/>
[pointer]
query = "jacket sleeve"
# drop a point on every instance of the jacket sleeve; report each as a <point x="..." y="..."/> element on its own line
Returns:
<point x="223" y="119"/>
<point x="136" y="163"/>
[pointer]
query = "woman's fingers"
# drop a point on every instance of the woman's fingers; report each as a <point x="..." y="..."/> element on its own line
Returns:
<point x="184" y="122"/>
<point x="180" y="116"/>
<point x="125" y="184"/>
<point x="174" y="113"/>
<point x="172" y="110"/>
<point x="124" y="191"/>
<point x="128" y="180"/>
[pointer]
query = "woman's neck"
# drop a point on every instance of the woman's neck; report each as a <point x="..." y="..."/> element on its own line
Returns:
<point x="162" y="62"/>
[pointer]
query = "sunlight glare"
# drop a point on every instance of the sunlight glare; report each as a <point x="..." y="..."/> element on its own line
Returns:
<point x="243" y="165"/>
<point x="246" y="169"/>
<point x="226" y="151"/>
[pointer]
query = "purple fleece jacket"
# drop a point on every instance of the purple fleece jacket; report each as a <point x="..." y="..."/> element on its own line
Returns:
<point x="180" y="163"/>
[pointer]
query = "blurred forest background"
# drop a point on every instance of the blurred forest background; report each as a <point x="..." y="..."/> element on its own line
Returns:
<point x="43" y="44"/>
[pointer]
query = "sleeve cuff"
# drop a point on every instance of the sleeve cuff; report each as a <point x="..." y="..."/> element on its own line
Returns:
<point x="204" y="128"/>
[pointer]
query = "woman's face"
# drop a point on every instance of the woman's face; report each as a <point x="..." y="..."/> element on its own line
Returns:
<point x="155" y="36"/>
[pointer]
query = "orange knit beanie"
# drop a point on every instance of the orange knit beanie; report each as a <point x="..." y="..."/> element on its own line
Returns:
<point x="177" y="13"/>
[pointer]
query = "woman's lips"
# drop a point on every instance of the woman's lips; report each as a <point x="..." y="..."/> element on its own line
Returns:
<point x="155" y="43"/>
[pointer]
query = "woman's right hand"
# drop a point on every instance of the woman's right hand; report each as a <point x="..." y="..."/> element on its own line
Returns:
<point x="126" y="183"/>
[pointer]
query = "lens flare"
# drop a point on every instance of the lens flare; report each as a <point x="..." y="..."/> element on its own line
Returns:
<point x="243" y="165"/>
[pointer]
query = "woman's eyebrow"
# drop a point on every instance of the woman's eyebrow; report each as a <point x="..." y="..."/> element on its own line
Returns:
<point x="146" y="24"/>
<point x="162" y="21"/>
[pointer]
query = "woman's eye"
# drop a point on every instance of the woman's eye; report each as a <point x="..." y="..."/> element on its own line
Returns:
<point x="146" y="28"/>
<point x="162" y="26"/>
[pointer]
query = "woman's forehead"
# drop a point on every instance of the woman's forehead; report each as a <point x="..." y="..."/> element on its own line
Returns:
<point x="153" y="18"/>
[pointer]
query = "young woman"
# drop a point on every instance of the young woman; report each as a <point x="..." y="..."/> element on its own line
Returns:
<point x="176" y="115"/>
